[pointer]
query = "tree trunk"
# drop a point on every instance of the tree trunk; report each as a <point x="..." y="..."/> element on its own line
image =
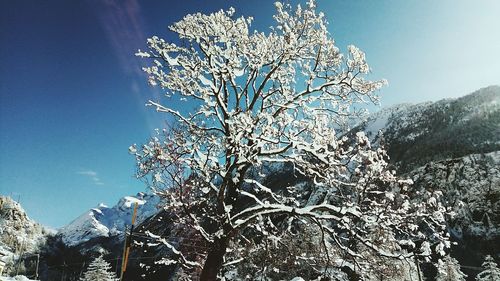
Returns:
<point x="215" y="258"/>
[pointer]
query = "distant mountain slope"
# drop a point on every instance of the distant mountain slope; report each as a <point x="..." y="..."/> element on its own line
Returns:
<point x="451" y="146"/>
<point x="104" y="221"/>
<point x="417" y="134"/>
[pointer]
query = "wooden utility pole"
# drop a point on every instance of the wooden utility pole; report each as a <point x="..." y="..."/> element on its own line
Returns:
<point x="123" y="254"/>
<point x="126" y="244"/>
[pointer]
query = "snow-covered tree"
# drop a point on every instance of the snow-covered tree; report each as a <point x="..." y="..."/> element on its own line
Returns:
<point x="491" y="271"/>
<point x="449" y="270"/>
<point x="99" y="269"/>
<point x="266" y="102"/>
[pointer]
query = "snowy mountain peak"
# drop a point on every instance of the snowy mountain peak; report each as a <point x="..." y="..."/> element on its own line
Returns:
<point x="102" y="205"/>
<point x="129" y="201"/>
<point x="104" y="221"/>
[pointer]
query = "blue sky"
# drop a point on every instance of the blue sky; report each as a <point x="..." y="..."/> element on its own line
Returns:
<point x="72" y="95"/>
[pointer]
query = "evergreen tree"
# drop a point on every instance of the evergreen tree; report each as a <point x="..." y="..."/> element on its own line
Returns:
<point x="99" y="270"/>
<point x="449" y="270"/>
<point x="491" y="271"/>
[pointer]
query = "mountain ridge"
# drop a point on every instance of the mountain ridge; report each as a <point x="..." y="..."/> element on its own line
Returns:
<point x="104" y="221"/>
<point x="415" y="134"/>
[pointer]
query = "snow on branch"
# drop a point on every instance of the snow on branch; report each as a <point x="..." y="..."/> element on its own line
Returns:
<point x="280" y="98"/>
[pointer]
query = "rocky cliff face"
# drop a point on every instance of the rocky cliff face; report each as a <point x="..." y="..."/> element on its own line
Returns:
<point x="471" y="189"/>
<point x="20" y="237"/>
